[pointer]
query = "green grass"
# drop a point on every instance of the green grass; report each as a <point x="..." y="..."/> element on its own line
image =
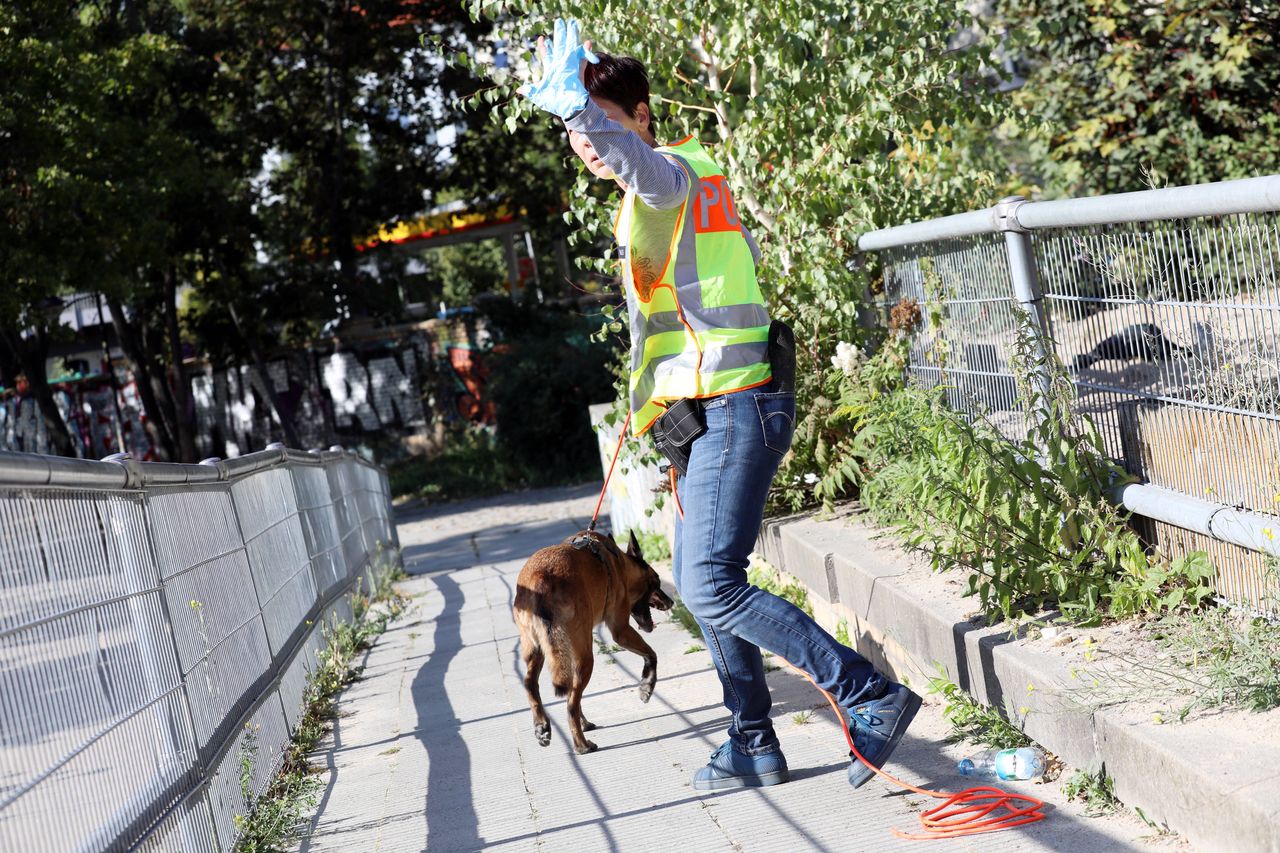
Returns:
<point x="1232" y="659"/>
<point x="606" y="648"/>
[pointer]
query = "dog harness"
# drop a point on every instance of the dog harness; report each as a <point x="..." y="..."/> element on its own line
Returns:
<point x="585" y="542"/>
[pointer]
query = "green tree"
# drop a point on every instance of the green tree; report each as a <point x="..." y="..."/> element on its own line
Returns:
<point x="1148" y="91"/>
<point x="81" y="183"/>
<point x="347" y="103"/>
<point x="188" y="173"/>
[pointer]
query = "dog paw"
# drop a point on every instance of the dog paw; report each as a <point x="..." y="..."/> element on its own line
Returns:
<point x="646" y="692"/>
<point x="543" y="734"/>
<point x="587" y="746"/>
<point x="587" y="727"/>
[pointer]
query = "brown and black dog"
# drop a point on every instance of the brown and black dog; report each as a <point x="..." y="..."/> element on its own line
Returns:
<point x="562" y="593"/>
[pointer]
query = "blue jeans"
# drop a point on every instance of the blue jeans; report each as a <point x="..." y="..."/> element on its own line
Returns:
<point x="723" y="496"/>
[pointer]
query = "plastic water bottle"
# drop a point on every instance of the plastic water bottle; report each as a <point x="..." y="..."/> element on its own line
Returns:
<point x="1027" y="762"/>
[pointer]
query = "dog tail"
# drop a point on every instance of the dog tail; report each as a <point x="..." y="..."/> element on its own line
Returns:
<point x="555" y="646"/>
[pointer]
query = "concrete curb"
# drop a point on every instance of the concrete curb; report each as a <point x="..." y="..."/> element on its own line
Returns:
<point x="1221" y="792"/>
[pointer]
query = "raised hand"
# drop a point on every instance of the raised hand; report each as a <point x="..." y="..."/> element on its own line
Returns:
<point x="560" y="91"/>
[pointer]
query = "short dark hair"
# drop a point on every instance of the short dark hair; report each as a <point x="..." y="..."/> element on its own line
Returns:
<point x="621" y="79"/>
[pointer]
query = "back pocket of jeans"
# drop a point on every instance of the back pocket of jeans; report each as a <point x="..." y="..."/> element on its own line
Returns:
<point x="777" y="419"/>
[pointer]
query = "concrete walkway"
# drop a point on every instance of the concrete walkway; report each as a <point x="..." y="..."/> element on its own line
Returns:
<point x="434" y="747"/>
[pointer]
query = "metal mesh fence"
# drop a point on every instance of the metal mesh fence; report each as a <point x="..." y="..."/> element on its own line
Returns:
<point x="969" y="323"/>
<point x="1174" y="326"/>
<point x="157" y="624"/>
<point x="1168" y="327"/>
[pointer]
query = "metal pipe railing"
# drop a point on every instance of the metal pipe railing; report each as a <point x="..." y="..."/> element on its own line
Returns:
<point x="1224" y="198"/>
<point x="944" y="228"/>
<point x="1250" y="530"/>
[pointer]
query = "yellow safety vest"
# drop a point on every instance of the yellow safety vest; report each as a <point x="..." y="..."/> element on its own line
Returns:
<point x="700" y="329"/>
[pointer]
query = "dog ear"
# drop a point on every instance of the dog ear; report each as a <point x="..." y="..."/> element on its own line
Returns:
<point x="633" y="546"/>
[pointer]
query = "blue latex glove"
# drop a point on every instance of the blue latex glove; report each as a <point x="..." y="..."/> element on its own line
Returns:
<point x="560" y="91"/>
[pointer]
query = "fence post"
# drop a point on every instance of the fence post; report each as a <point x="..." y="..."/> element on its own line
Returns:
<point x="1026" y="288"/>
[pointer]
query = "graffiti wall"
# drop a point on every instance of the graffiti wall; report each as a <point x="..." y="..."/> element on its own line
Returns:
<point x="90" y="414"/>
<point x="388" y="387"/>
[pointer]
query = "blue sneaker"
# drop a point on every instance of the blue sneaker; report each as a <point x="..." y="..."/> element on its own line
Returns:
<point x="877" y="725"/>
<point x="731" y="769"/>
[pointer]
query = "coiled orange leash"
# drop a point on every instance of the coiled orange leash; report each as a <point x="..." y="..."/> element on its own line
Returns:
<point x="967" y="812"/>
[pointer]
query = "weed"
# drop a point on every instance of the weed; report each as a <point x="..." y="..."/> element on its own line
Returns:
<point x="606" y="648"/>
<point x="277" y="815"/>
<point x="1216" y="658"/>
<point x="247" y="754"/>
<point x="842" y="632"/>
<point x="1095" y="789"/>
<point x="780" y="584"/>
<point x="390" y="751"/>
<point x="972" y="721"/>
<point x="681" y="615"/>
<point x="1160" y="587"/>
<point x="1025" y="533"/>
<point x="695" y="648"/>
<point x="1027" y="520"/>
<point x="1231" y="659"/>
<point x="653" y="545"/>
<point x="1162" y="830"/>
<point x="802" y="718"/>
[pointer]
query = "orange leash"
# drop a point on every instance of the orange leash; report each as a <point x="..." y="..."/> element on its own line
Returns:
<point x="622" y="436"/>
<point x="972" y="811"/>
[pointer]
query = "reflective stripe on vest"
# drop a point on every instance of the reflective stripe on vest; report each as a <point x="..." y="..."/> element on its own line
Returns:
<point x="703" y="330"/>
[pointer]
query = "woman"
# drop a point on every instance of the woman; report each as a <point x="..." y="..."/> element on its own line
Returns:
<point x="700" y="369"/>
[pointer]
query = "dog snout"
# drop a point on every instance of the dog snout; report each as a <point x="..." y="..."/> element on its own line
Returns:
<point x="660" y="600"/>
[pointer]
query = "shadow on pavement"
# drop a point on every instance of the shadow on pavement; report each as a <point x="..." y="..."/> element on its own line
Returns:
<point x="449" y="811"/>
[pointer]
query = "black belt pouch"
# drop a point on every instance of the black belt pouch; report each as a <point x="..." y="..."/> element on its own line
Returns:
<point x="782" y="357"/>
<point x="674" y="432"/>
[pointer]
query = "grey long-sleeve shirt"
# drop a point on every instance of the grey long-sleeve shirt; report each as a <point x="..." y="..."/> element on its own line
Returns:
<point x="659" y="183"/>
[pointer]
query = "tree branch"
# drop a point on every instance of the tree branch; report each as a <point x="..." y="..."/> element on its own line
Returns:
<point x="681" y="105"/>
<point x="725" y="127"/>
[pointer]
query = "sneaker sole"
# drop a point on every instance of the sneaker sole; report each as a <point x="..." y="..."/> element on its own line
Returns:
<point x="904" y="721"/>
<point x="764" y="780"/>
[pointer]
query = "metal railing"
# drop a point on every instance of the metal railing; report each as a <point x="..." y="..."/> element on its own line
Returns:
<point x="1164" y="306"/>
<point x="158" y="620"/>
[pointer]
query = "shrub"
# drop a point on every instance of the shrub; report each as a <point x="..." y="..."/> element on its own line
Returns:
<point x="545" y="372"/>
